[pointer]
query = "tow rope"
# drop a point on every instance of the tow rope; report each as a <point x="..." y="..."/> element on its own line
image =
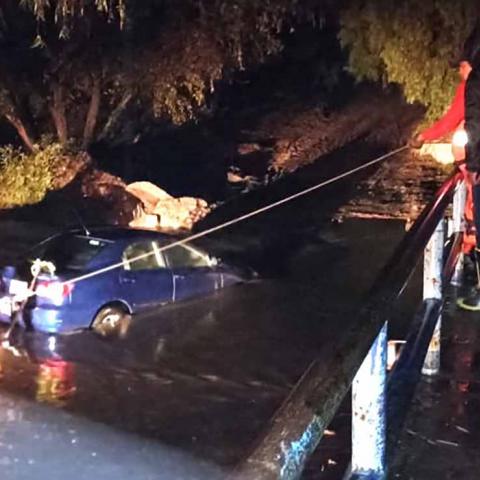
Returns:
<point x="42" y="265"/>
<point x="240" y="218"/>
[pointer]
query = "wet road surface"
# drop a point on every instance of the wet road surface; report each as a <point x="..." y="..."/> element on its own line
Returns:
<point x="442" y="434"/>
<point x="191" y="387"/>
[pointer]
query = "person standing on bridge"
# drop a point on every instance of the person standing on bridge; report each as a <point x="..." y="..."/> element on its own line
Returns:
<point x="472" y="129"/>
<point x="454" y="117"/>
<point x="453" y="122"/>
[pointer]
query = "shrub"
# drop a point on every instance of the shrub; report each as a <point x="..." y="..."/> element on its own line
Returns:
<point x="25" y="178"/>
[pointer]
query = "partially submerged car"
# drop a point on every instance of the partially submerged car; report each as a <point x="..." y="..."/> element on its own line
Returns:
<point x="145" y="277"/>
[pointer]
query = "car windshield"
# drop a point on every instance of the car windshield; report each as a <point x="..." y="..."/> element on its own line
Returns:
<point x="70" y="252"/>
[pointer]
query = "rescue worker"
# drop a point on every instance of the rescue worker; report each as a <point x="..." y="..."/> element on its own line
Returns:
<point x="453" y="121"/>
<point x="472" y="128"/>
<point x="454" y="116"/>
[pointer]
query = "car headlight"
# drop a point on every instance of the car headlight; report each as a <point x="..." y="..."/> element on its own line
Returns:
<point x="460" y="138"/>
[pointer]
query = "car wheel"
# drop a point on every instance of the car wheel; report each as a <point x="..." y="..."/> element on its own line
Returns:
<point x="111" y="321"/>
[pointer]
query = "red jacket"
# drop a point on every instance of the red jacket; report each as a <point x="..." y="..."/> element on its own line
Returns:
<point x="451" y="119"/>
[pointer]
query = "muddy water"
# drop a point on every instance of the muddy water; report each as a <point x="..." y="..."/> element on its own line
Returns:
<point x="194" y="383"/>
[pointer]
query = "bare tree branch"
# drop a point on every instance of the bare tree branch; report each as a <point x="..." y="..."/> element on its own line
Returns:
<point x="21" y="130"/>
<point x="115" y="115"/>
<point x="57" y="110"/>
<point x="92" y="115"/>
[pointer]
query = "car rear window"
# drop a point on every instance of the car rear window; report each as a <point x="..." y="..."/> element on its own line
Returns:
<point x="71" y="252"/>
<point x="185" y="256"/>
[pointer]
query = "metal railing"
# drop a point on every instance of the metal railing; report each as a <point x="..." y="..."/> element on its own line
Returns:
<point x="359" y="361"/>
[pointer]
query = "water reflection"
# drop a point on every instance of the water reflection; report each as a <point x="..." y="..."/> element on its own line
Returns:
<point x="207" y="375"/>
<point x="55" y="382"/>
<point x="182" y="376"/>
<point x="53" y="368"/>
<point x="29" y="361"/>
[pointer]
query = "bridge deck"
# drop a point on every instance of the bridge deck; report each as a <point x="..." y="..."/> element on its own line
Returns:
<point x="442" y="433"/>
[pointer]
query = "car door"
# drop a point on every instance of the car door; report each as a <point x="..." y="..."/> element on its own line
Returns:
<point x="145" y="279"/>
<point x="194" y="272"/>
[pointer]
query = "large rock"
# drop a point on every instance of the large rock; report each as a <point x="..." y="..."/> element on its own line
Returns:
<point x="164" y="212"/>
<point x="148" y="193"/>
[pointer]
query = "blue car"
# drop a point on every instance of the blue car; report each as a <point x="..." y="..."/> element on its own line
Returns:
<point x="146" y="278"/>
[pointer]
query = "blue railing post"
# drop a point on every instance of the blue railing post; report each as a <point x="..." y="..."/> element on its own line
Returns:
<point x="298" y="425"/>
<point x="368" y="413"/>
<point x="458" y="225"/>
<point x="432" y="289"/>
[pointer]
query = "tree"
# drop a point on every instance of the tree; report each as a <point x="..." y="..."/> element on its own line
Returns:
<point x="409" y="43"/>
<point x="205" y="41"/>
<point x="66" y="12"/>
<point x="51" y="79"/>
<point x="71" y="68"/>
<point x="75" y="72"/>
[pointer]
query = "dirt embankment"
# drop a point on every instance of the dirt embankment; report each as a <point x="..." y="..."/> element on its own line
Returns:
<point x="297" y="135"/>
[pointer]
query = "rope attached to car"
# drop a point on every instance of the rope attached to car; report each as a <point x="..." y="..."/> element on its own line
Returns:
<point x="238" y="219"/>
<point x="39" y="266"/>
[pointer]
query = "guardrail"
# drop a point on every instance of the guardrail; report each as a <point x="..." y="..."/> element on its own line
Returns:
<point x="359" y="362"/>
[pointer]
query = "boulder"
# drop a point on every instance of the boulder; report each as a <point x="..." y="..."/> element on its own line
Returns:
<point x="164" y="212"/>
<point x="248" y="148"/>
<point x="144" y="220"/>
<point x="148" y="193"/>
<point x="234" y="175"/>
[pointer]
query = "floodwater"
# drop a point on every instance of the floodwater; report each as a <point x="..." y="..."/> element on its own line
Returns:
<point x="192" y="386"/>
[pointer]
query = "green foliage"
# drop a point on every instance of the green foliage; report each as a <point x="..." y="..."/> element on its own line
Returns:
<point x="219" y="38"/>
<point x="26" y="178"/>
<point x="67" y="10"/>
<point x="410" y="43"/>
<point x="182" y="78"/>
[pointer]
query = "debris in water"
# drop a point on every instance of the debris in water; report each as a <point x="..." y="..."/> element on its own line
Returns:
<point x="461" y="429"/>
<point x="446" y="442"/>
